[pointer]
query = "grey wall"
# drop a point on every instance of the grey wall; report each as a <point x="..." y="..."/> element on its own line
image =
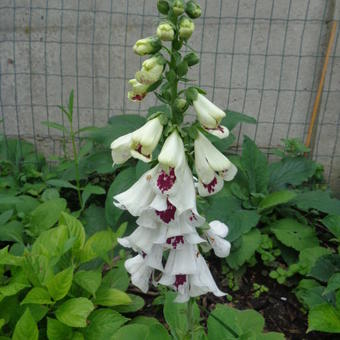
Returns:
<point x="260" y="57"/>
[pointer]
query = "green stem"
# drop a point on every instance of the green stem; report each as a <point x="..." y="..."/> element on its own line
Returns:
<point x="76" y="164"/>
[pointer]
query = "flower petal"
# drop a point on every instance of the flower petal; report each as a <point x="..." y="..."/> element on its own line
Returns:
<point x="181" y="261"/>
<point x="218" y="228"/>
<point x="219" y="131"/>
<point x="120" y="149"/>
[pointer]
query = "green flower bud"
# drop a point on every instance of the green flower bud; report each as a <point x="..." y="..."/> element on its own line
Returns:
<point x="181" y="105"/>
<point x="163" y="7"/>
<point x="182" y="68"/>
<point x="148" y="45"/>
<point x="151" y="71"/>
<point x="186" y="28"/>
<point x="193" y="10"/>
<point x="165" y="31"/>
<point x="192" y="59"/>
<point x="178" y="7"/>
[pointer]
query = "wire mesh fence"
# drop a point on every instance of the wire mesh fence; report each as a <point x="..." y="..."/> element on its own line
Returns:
<point x="260" y="57"/>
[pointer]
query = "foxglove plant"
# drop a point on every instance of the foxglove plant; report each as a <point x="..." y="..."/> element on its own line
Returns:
<point x="170" y="231"/>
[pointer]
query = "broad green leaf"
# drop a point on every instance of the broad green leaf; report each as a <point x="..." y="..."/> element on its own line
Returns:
<point x="332" y="223"/>
<point x="38" y="311"/>
<point x="158" y="331"/>
<point x="309" y="256"/>
<point x="233" y="118"/>
<point x="276" y="198"/>
<point x="60" y="183"/>
<point x="290" y="171"/>
<point x="37" y="295"/>
<point x="175" y="315"/>
<point x="333" y="284"/>
<point x="324" y="318"/>
<point x="2" y="322"/>
<point x="12" y="232"/>
<point x="51" y="243"/>
<point x="38" y="269"/>
<point x="97" y="246"/>
<point x="56" y="330"/>
<point x="325" y="267"/>
<point x="249" y="243"/>
<point x="75" y="229"/>
<point x="136" y="304"/>
<point x="294" y="234"/>
<point x="49" y="194"/>
<point x="319" y="200"/>
<point x="74" y="312"/>
<point x="103" y="324"/>
<point x="46" y="215"/>
<point x="117" y="278"/>
<point x="254" y="167"/>
<point x="26" y="204"/>
<point x="60" y="284"/>
<point x="5" y="217"/>
<point x="91" y="190"/>
<point x="122" y="182"/>
<point x="89" y="280"/>
<point x="26" y="328"/>
<point x="9" y="259"/>
<point x="111" y="297"/>
<point x="132" y="332"/>
<point x="77" y="336"/>
<point x="94" y="219"/>
<point x="12" y="288"/>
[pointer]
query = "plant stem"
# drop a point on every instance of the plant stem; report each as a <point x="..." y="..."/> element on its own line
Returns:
<point x="76" y="164"/>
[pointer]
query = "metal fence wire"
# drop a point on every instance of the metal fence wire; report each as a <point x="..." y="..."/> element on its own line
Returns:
<point x="260" y="57"/>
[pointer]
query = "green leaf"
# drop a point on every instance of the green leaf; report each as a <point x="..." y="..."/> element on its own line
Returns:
<point x="59" y="183"/>
<point x="89" y="280"/>
<point x="249" y="243"/>
<point x="70" y="103"/>
<point x="103" y="324"/>
<point x="294" y="234"/>
<point x="26" y="204"/>
<point x="131" y="332"/>
<point x="75" y="229"/>
<point x="26" y="328"/>
<point x="333" y="284"/>
<point x="5" y="217"/>
<point x="12" y="231"/>
<point x="319" y="200"/>
<point x="233" y="118"/>
<point x="91" y="190"/>
<point x="122" y="182"/>
<point x="46" y="215"/>
<point x="9" y="259"/>
<point x="60" y="284"/>
<point x="111" y="297"/>
<point x="55" y="125"/>
<point x="74" y="312"/>
<point x="324" y="318"/>
<point x="276" y="198"/>
<point x="325" y="267"/>
<point x="94" y="219"/>
<point x="37" y="295"/>
<point x="254" y="167"/>
<point x="56" y="330"/>
<point x="97" y="246"/>
<point x="12" y="288"/>
<point x="332" y="223"/>
<point x="309" y="256"/>
<point x="117" y="278"/>
<point x="290" y="171"/>
<point x="136" y="304"/>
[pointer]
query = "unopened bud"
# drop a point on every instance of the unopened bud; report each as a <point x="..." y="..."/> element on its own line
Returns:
<point x="165" y="31"/>
<point x="151" y="71"/>
<point x="182" y="68"/>
<point x="148" y="45"/>
<point x="178" y="7"/>
<point x="163" y="7"/>
<point x="181" y="105"/>
<point x="192" y="59"/>
<point x="186" y="28"/>
<point x="193" y="10"/>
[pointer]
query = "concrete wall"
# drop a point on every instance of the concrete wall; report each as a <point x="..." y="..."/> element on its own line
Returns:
<point x="261" y="57"/>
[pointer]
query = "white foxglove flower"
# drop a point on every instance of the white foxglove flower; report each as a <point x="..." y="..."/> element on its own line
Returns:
<point x="192" y="285"/>
<point x="148" y="45"/>
<point x="165" y="31"/>
<point x="210" y="116"/>
<point x="139" y="91"/>
<point x="186" y="28"/>
<point x="212" y="167"/>
<point x="215" y="236"/>
<point x="121" y="149"/>
<point x="151" y="71"/>
<point x="145" y="139"/>
<point x="138" y="197"/>
<point x="142" y="266"/>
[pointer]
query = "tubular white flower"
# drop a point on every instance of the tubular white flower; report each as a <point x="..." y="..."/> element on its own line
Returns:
<point x="212" y="167"/>
<point x="215" y="236"/>
<point x="139" y="91"/>
<point x="148" y="45"/>
<point x="120" y="149"/>
<point x="210" y="116"/>
<point x="151" y="71"/>
<point x="145" y="140"/>
<point x="138" y="197"/>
